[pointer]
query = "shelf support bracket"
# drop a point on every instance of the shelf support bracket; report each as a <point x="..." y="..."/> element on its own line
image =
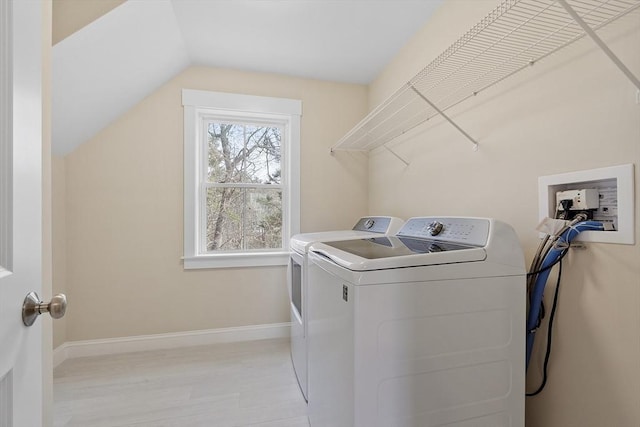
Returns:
<point x="454" y="124"/>
<point x="396" y="154"/>
<point x="587" y="29"/>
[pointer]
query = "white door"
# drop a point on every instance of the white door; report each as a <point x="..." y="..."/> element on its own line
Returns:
<point x="20" y="210"/>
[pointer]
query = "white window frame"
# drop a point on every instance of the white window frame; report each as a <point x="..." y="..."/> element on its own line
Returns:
<point x="198" y="105"/>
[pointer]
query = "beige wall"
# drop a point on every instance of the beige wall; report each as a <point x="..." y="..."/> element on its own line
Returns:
<point x="71" y="15"/>
<point x="572" y="111"/>
<point x="124" y="212"/>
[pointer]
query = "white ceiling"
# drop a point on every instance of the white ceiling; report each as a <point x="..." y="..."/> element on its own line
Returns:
<point x="106" y="68"/>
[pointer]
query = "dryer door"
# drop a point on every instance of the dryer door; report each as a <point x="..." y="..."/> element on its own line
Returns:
<point x="296" y="281"/>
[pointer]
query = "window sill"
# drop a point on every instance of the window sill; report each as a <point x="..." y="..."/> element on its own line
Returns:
<point x="236" y="260"/>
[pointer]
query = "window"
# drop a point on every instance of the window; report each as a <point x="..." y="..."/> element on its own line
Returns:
<point x="241" y="179"/>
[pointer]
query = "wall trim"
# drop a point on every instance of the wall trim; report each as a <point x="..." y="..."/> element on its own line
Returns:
<point x="101" y="347"/>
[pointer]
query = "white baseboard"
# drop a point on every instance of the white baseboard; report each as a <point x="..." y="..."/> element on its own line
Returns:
<point x="73" y="349"/>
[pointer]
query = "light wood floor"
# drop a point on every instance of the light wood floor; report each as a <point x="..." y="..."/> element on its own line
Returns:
<point x="224" y="385"/>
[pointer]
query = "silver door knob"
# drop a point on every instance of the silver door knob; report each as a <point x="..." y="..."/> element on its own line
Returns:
<point x="33" y="307"/>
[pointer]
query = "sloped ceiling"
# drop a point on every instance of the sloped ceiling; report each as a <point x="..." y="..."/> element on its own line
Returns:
<point x="111" y="64"/>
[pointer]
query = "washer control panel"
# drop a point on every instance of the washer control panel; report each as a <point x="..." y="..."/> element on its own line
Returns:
<point x="469" y="231"/>
<point x="374" y="224"/>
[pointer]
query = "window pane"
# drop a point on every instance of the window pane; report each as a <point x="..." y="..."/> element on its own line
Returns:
<point x="244" y="219"/>
<point x="224" y="218"/>
<point x="263" y="221"/>
<point x="243" y="153"/>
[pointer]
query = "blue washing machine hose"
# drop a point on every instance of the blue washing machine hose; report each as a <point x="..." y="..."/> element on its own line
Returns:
<point x="552" y="257"/>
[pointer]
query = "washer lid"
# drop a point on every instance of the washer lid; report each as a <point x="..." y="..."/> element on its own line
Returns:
<point x="365" y="227"/>
<point x="301" y="242"/>
<point x="381" y="253"/>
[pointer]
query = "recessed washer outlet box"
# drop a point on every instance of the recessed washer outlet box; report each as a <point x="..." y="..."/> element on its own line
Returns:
<point x="615" y="186"/>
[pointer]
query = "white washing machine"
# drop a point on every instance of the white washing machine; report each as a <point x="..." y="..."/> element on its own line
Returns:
<point x="422" y="329"/>
<point x="297" y="280"/>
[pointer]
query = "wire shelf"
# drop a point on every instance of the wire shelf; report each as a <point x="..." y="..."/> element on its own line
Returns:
<point x="512" y="37"/>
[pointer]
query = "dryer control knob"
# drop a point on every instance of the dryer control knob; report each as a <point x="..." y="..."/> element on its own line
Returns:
<point x="435" y="228"/>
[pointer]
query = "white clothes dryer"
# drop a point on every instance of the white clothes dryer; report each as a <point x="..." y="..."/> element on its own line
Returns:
<point x="297" y="280"/>
<point x="422" y="329"/>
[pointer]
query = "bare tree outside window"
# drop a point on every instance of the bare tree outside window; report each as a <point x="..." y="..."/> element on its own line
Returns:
<point x="243" y="186"/>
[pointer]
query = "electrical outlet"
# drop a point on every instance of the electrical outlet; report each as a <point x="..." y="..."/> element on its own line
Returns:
<point x="582" y="200"/>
